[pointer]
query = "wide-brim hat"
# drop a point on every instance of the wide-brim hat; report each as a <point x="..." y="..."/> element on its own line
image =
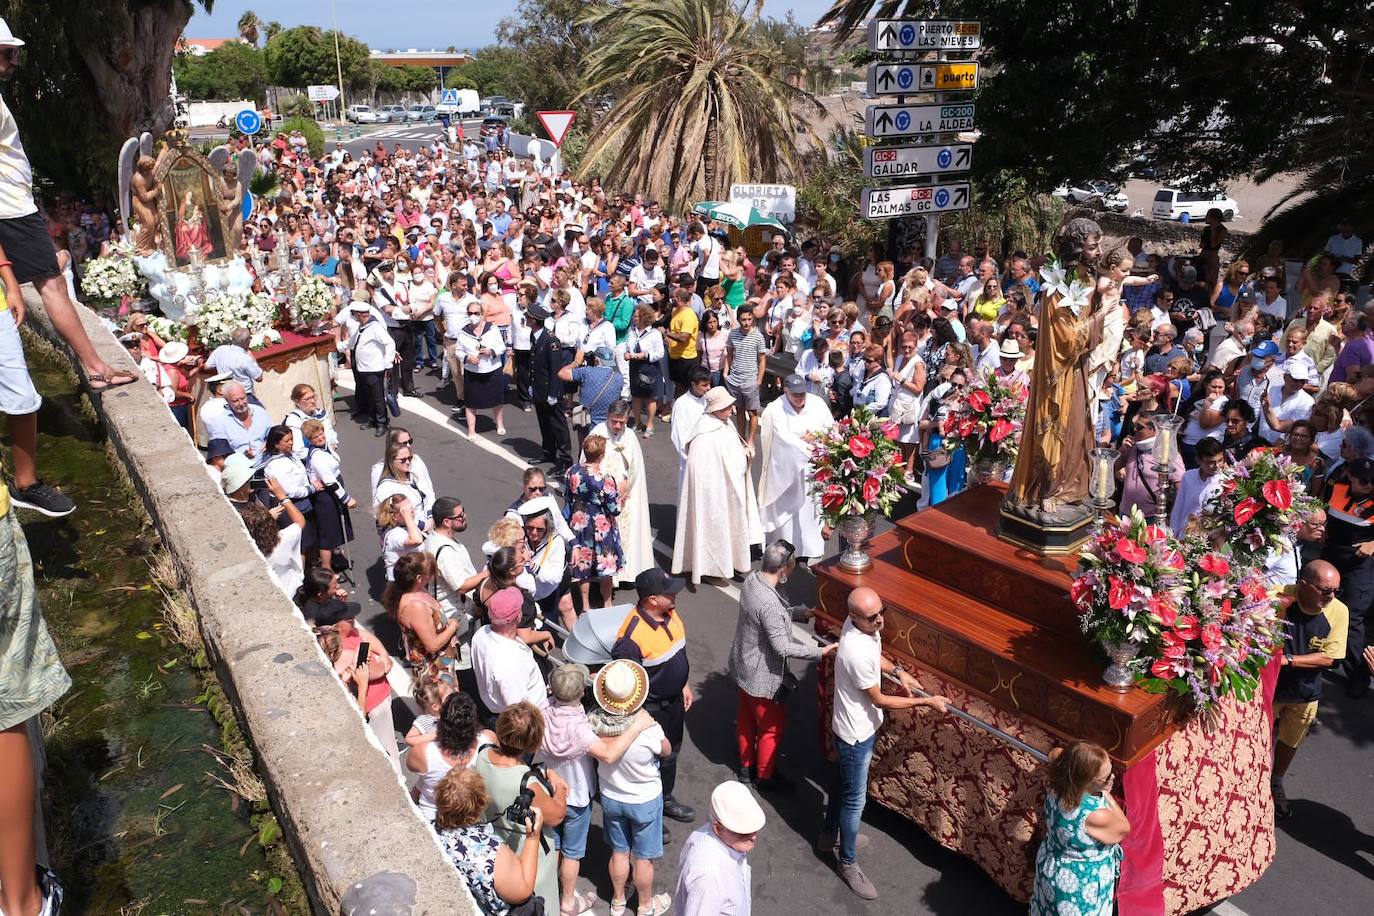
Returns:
<point x="1010" y="349"/>
<point x="173" y="351"/>
<point x="718" y="399"/>
<point x="7" y="38"/>
<point x="621" y="687"/>
<point x="238" y="470"/>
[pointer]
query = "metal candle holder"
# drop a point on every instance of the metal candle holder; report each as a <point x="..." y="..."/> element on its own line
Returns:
<point x="1166" y="447"/>
<point x="1102" y="482"/>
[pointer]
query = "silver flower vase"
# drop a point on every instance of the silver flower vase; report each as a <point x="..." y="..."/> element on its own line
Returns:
<point x="1118" y="676"/>
<point x="856" y="530"/>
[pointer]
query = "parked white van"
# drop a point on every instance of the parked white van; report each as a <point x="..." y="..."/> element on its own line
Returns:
<point x="1171" y="203"/>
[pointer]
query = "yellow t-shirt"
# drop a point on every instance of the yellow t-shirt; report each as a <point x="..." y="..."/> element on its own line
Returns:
<point x="684" y="321"/>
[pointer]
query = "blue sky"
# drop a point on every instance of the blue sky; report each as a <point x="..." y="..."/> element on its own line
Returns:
<point x="409" y="23"/>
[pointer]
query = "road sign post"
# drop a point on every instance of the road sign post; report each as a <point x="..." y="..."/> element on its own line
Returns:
<point x="882" y="121"/>
<point x="914" y="200"/>
<point x="910" y="161"/>
<point x="924" y="35"/>
<point x="905" y="79"/>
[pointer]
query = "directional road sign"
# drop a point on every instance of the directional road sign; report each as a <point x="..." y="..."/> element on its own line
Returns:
<point x="910" y="120"/>
<point x="905" y="79"/>
<point x="924" y="35"/>
<point x="248" y="122"/>
<point x="557" y="124"/>
<point x="322" y="93"/>
<point x="909" y="161"/>
<point x="885" y="203"/>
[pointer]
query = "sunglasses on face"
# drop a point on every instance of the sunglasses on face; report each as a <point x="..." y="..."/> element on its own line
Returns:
<point x="535" y="488"/>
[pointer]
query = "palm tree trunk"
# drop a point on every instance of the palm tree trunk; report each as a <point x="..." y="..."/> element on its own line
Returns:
<point x="711" y="166"/>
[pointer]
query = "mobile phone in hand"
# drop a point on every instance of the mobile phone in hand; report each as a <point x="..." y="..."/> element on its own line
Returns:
<point x="364" y="648"/>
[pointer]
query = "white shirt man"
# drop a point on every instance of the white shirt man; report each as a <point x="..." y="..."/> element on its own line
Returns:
<point x="714" y="877"/>
<point x="706" y="251"/>
<point x="1288" y="400"/>
<point x="504" y="666"/>
<point x="373" y="348"/>
<point x="1199" y="484"/>
<point x="645" y="277"/>
<point x="1345" y="245"/>
<point x="456" y="574"/>
<point x="786" y="507"/>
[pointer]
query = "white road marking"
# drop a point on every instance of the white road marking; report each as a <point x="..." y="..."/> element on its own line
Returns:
<point x="1227" y="908"/>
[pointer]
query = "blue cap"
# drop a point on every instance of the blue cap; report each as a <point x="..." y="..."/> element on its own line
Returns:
<point x="1265" y="349"/>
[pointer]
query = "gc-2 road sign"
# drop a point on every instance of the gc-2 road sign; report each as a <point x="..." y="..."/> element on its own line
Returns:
<point x="924" y="35"/>
<point x="910" y="120"/>
<point x="905" y="79"/>
<point x="886" y="203"/>
<point x="909" y="161"/>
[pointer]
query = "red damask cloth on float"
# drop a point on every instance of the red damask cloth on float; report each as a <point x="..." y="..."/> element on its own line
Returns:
<point x="1202" y="819"/>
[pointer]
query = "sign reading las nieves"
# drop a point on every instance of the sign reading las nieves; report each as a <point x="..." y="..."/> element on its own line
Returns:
<point x="924" y="35"/>
<point x="909" y="120"/>
<point x="904" y="79"/>
<point x="884" y="203"/>
<point x="909" y="161"/>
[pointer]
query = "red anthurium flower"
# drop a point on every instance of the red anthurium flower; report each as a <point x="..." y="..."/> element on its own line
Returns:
<point x="979" y="400"/>
<point x="891" y="431"/>
<point x="1226" y="610"/>
<point x="1001" y="429"/>
<point x="1080" y="589"/>
<point x="1154" y="533"/>
<point x="1118" y="593"/>
<point x="1214" y="564"/>
<point x="1130" y="551"/>
<point x="1229" y="486"/>
<point x="871" y="488"/>
<point x="1172" y="560"/>
<point x="1175" y="646"/>
<point x="1164" y="610"/>
<point x="1164" y="668"/>
<point x="1246" y="509"/>
<point x="860" y="446"/>
<point x="1187" y="627"/>
<point x="832" y="498"/>
<point x="823" y="475"/>
<point x="1214" y="674"/>
<point x="1278" y="493"/>
<point x="1211" y="637"/>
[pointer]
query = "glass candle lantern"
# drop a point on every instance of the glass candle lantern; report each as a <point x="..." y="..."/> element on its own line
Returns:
<point x="1102" y="482"/>
<point x="1166" y="440"/>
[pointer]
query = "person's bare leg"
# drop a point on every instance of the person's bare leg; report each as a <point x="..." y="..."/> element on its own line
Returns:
<point x="583" y="593"/>
<point x="620" y="873"/>
<point x="472" y="423"/>
<point x="501" y="418"/>
<point x="326" y="557"/>
<point x="568" y="870"/>
<point x="62" y="313"/>
<point x="644" y="883"/>
<point x="653" y="412"/>
<point x="18" y="890"/>
<point x="24" y="442"/>
<point x="753" y="427"/>
<point x="607" y="591"/>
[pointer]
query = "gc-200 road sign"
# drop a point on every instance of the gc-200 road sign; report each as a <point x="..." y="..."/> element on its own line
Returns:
<point x="886" y="203"/>
<point x="924" y="35"/>
<point x="910" y="120"/>
<point x="904" y="79"/>
<point x="909" y="161"/>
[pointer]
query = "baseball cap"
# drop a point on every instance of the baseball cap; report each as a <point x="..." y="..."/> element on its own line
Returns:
<point x="1298" y="369"/>
<point x="504" y="606"/>
<point x="604" y="353"/>
<point x="332" y="610"/>
<point x="1361" y="469"/>
<point x="218" y="448"/>
<point x="537" y="311"/>
<point x="794" y="384"/>
<point x="654" y="581"/>
<point x="1265" y="349"/>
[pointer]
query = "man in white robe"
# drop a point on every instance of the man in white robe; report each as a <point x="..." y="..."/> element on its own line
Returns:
<point x="717" y="515"/>
<point x="786" y="507"/>
<point x="624" y="460"/>
<point x="687" y="410"/>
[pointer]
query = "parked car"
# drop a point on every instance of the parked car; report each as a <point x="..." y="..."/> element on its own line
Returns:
<point x="1112" y="197"/>
<point x="391" y="114"/>
<point x="361" y="114"/>
<point x="421" y="113"/>
<point x="491" y="123"/>
<point x="1171" y="203"/>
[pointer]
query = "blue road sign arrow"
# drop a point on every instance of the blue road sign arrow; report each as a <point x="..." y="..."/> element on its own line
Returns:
<point x="248" y="122"/>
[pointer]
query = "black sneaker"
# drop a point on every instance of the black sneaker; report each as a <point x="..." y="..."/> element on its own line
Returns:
<point x="1282" y="807"/>
<point x="42" y="498"/>
<point x="742" y="774"/>
<point x="678" y="811"/>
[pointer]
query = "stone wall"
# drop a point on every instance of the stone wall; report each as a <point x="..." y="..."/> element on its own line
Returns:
<point x="358" y="841"/>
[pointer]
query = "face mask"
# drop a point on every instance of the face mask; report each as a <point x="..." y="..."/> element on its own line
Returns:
<point x="1145" y="445"/>
<point x="1257" y="365"/>
<point x="1245" y="341"/>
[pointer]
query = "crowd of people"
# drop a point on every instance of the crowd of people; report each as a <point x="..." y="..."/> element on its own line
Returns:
<point x="607" y="317"/>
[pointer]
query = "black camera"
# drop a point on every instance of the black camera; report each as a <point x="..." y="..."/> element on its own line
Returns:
<point x="521" y="810"/>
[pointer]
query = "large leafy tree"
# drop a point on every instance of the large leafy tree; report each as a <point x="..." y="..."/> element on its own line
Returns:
<point x="494" y="70"/>
<point x="304" y="56"/>
<point x="93" y="74"/>
<point x="550" y="39"/>
<point x="1073" y="89"/>
<point x="699" y="99"/>
<point x="232" y="71"/>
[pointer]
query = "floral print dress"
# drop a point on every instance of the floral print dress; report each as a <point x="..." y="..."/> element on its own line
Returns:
<point x="593" y="502"/>
<point x="1075" y="875"/>
<point x="473" y="851"/>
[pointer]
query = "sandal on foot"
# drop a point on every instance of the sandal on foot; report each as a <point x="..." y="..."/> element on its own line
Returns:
<point x="581" y="903"/>
<point x="659" y="905"/>
<point x="618" y="907"/>
<point x="97" y="381"/>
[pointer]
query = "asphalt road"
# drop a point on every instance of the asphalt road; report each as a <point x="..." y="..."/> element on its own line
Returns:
<point x="1327" y="847"/>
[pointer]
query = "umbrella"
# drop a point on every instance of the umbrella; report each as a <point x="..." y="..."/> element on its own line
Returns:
<point x="738" y="213"/>
<point x="593" y="636"/>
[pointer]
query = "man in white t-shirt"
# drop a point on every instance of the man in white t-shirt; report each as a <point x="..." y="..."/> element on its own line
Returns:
<point x="706" y="252"/>
<point x="1286" y="402"/>
<point x="504" y="666"/>
<point x="857" y="713"/>
<point x="1347" y="248"/>
<point x="456" y="575"/>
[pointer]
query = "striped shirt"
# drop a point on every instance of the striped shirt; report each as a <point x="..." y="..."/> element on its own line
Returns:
<point x="744" y="352"/>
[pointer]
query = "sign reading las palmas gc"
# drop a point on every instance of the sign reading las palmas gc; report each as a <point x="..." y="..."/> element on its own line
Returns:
<point x="882" y="203"/>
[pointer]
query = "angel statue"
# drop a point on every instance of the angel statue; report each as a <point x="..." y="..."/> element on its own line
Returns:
<point x="1079" y="334"/>
<point x="145" y="192"/>
<point x="235" y="174"/>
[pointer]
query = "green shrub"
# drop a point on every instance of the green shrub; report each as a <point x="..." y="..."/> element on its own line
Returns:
<point x="314" y="136"/>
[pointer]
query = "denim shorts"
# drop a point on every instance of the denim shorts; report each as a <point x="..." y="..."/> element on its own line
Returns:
<point x="636" y="829"/>
<point x="572" y="833"/>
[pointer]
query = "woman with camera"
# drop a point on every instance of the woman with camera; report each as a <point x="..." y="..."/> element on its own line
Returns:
<point x="502" y="882"/>
<point x="512" y="786"/>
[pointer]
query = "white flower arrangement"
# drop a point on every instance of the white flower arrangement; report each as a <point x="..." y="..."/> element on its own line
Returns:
<point x="217" y="317"/>
<point x="314" y="299"/>
<point x="166" y="328"/>
<point x="111" y="278"/>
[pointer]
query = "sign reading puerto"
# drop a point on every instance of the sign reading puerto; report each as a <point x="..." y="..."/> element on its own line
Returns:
<point x="904" y="79"/>
<point x="924" y="35"/>
<point x="557" y="124"/>
<point x="909" y="120"/>
<point x="909" y="161"/>
<point x="884" y="203"/>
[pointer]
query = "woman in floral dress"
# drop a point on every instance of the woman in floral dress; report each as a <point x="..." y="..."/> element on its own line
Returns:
<point x="592" y="504"/>
<point x="1079" y="859"/>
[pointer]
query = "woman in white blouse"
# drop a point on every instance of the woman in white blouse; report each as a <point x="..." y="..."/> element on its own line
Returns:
<point x="601" y="332"/>
<point x="644" y="353"/>
<point x="397" y="478"/>
<point x="281" y="464"/>
<point x="307" y="407"/>
<point x="482" y="351"/>
<point x="333" y="526"/>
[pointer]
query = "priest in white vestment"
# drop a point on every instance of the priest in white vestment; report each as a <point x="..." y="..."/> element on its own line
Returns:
<point x="624" y="461"/>
<point x="787" y="428"/>
<point x="686" y="411"/>
<point x="717" y="513"/>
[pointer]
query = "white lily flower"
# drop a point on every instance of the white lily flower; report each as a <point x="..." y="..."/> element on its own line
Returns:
<point x="1053" y="279"/>
<point x="1077" y="296"/>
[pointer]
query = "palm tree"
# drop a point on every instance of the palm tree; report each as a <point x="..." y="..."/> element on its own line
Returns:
<point x="701" y="100"/>
<point x="249" y="27"/>
<point x="271" y="29"/>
